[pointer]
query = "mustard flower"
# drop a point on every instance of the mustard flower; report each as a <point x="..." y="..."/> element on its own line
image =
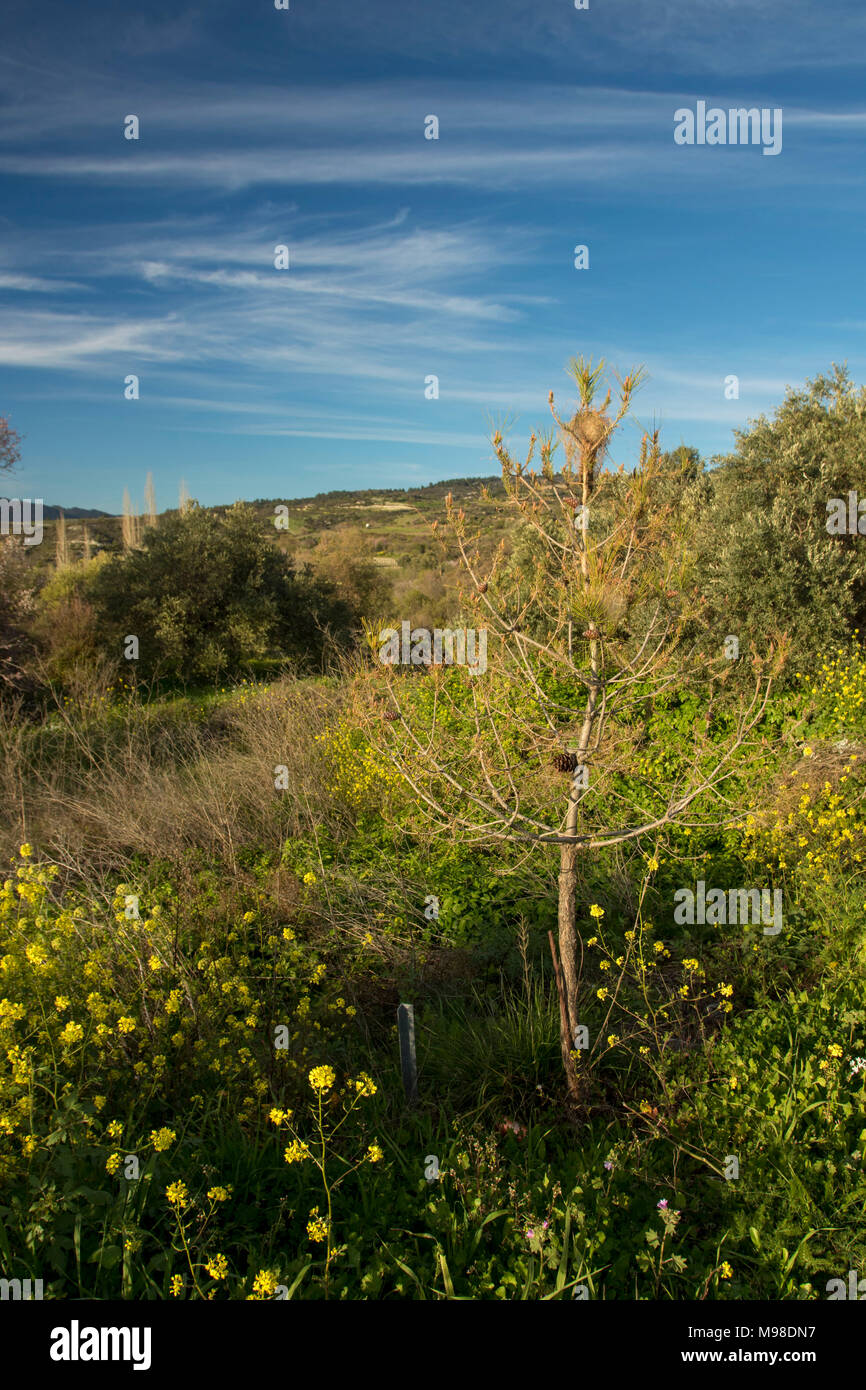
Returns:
<point x="217" y="1267"/>
<point x="265" y="1283"/>
<point x="317" y="1227"/>
<point x="178" y="1195"/>
<point x="322" y="1078"/>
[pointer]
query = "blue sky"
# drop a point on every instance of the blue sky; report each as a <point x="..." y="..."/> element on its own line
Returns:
<point x="409" y="257"/>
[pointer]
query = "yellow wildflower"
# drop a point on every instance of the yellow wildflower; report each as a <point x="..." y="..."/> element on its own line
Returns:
<point x="322" y="1078"/>
<point x="178" y="1195"/>
<point x="317" y="1227"/>
<point x="217" y="1267"/>
<point x="265" y="1283"/>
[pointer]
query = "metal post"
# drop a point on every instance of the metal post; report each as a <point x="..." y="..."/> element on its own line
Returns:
<point x="408" y="1061"/>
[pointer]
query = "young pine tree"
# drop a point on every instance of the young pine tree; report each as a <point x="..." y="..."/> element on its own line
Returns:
<point x="598" y="619"/>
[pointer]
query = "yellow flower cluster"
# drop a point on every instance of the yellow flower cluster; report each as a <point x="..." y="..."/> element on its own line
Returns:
<point x="317" y="1226"/>
<point x="121" y="1008"/>
<point x="361" y="778"/>
<point x="265" y="1284"/>
<point x="217" y="1267"/>
<point x="178" y="1195"/>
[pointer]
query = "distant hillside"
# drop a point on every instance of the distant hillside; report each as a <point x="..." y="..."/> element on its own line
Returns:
<point x="428" y="492"/>
<point x="72" y="513"/>
<point x="390" y="527"/>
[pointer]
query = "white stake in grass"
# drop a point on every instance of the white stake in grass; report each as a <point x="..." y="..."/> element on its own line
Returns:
<point x="408" y="1061"/>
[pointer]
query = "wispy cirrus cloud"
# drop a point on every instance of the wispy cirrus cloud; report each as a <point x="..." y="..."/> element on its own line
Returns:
<point x="36" y="284"/>
<point x="411" y="258"/>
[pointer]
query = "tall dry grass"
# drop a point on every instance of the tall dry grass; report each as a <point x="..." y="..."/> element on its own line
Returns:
<point x="93" y="787"/>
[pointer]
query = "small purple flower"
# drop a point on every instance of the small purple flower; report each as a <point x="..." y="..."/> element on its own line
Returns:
<point x="608" y="1165"/>
<point x="544" y="1225"/>
<point x="662" y="1205"/>
<point x="530" y="1235"/>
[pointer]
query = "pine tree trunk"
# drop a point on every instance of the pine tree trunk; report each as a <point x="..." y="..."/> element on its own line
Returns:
<point x="568" y="951"/>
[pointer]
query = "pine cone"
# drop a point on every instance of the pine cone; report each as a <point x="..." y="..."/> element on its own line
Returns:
<point x="482" y="588"/>
<point x="565" y="762"/>
<point x="391" y="714"/>
<point x="592" y="633"/>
